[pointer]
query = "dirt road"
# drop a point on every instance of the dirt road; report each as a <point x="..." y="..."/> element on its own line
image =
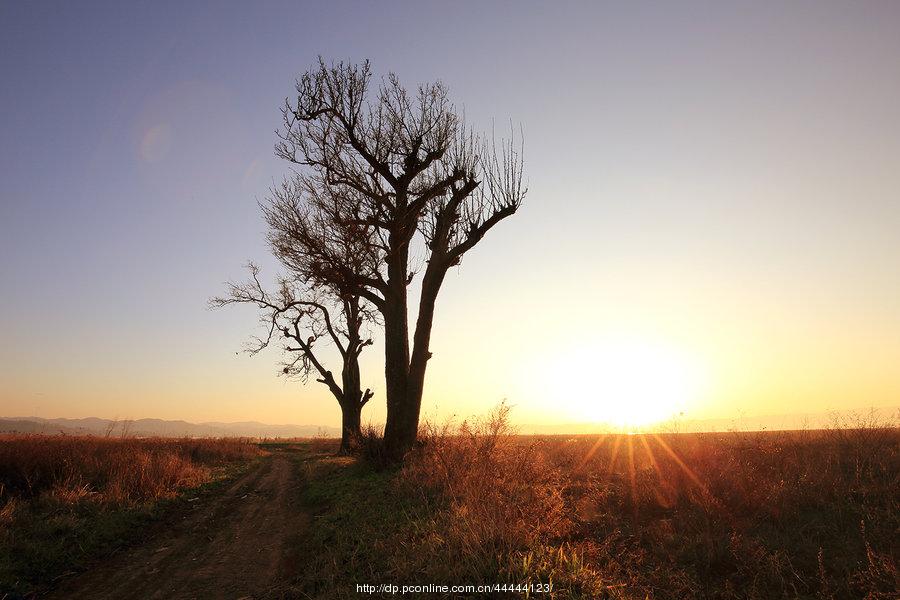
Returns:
<point x="234" y="545"/>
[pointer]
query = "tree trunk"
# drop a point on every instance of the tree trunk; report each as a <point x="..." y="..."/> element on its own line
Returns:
<point x="396" y="374"/>
<point x="405" y="425"/>
<point x="351" y="400"/>
<point x="350" y="426"/>
<point x="421" y="354"/>
<point x="396" y="359"/>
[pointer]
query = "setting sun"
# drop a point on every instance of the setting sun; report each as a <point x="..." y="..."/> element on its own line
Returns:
<point x="628" y="382"/>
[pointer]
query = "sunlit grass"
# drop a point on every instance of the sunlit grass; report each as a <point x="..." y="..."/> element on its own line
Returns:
<point x="805" y="514"/>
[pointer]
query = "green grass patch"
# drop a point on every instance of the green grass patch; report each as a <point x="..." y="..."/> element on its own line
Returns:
<point x="359" y="522"/>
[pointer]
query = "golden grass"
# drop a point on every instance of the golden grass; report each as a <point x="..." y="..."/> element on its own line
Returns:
<point x="731" y="515"/>
<point x="119" y="471"/>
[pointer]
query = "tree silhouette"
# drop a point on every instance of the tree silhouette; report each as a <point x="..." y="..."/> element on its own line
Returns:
<point x="388" y="169"/>
<point x="315" y="303"/>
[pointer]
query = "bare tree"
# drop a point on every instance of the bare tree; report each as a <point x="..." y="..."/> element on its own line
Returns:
<point x="385" y="167"/>
<point x="301" y="317"/>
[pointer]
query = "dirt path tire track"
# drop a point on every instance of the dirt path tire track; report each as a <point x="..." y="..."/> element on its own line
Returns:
<point x="238" y="545"/>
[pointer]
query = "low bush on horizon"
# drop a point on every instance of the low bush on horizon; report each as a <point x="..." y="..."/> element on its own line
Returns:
<point x="804" y="514"/>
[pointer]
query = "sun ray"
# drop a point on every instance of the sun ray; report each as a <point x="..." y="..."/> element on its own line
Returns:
<point x="614" y="453"/>
<point x="591" y="452"/>
<point x="662" y="498"/>
<point x="631" y="476"/>
<point x="684" y="467"/>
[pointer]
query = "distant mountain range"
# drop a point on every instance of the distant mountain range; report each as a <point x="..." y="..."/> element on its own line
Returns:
<point x="161" y="428"/>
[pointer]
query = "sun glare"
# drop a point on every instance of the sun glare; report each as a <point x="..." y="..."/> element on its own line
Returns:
<point x="627" y="383"/>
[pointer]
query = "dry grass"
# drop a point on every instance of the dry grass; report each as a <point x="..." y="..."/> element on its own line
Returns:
<point x="110" y="470"/>
<point x="757" y="515"/>
<point x="804" y="514"/>
<point x="65" y="500"/>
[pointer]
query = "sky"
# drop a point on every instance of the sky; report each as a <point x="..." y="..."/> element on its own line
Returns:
<point x="712" y="226"/>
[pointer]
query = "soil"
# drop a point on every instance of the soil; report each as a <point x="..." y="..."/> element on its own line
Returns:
<point x="237" y="544"/>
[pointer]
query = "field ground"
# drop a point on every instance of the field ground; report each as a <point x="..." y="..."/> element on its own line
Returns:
<point x="67" y="502"/>
<point x="235" y="544"/>
<point x="805" y="514"/>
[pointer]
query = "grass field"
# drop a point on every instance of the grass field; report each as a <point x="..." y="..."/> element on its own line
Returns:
<point x="806" y="514"/>
<point x="803" y="514"/>
<point x="65" y="501"/>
